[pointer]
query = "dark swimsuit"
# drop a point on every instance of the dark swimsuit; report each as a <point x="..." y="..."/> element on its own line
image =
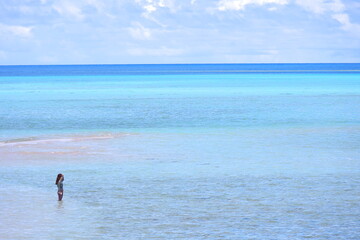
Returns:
<point x="60" y="186"/>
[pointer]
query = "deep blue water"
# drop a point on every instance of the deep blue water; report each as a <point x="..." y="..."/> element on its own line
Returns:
<point x="157" y="69"/>
<point x="188" y="151"/>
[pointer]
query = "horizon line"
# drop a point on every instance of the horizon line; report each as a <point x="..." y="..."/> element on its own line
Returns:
<point x="107" y="64"/>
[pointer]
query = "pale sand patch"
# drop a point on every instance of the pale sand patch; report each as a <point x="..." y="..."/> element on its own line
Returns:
<point x="51" y="139"/>
<point x="62" y="148"/>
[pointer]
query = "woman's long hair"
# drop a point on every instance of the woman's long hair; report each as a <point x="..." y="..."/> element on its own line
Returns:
<point x="58" y="178"/>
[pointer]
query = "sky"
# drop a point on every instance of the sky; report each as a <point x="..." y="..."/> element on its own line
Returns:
<point x="178" y="31"/>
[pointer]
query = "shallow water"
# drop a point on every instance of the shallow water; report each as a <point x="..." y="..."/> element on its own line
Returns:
<point x="120" y="202"/>
<point x="222" y="156"/>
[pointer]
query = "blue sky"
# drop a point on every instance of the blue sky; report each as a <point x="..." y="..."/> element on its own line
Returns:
<point x="178" y="31"/>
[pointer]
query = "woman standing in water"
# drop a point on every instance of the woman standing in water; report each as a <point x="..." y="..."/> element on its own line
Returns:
<point x="59" y="183"/>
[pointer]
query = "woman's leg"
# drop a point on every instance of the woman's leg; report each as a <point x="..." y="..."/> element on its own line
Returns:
<point x="60" y="195"/>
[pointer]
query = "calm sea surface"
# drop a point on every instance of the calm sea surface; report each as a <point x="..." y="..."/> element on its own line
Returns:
<point x="188" y="151"/>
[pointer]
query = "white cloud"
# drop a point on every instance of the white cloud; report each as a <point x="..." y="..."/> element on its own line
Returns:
<point x="140" y="32"/>
<point x="225" y="5"/>
<point x="149" y="31"/>
<point x="322" y="6"/>
<point x="271" y="9"/>
<point x="342" y="18"/>
<point x="347" y="25"/>
<point x="148" y="5"/>
<point x="74" y="9"/>
<point x="337" y="10"/>
<point x="20" y="31"/>
<point x="68" y="9"/>
<point x="151" y="6"/>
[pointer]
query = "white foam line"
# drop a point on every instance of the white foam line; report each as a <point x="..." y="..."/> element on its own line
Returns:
<point x="31" y="142"/>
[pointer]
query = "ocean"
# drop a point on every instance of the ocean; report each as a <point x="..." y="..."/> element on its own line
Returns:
<point x="182" y="151"/>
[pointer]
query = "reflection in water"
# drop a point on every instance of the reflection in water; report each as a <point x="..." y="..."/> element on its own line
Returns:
<point x="60" y="206"/>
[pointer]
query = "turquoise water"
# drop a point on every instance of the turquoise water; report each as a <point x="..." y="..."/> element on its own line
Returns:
<point x="180" y="151"/>
<point x="173" y="102"/>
